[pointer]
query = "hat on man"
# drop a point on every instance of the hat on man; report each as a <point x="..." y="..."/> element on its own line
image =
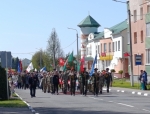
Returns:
<point x="107" y="68"/>
<point x="95" y="69"/>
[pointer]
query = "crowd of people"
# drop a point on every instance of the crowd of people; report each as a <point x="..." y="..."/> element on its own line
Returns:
<point x="67" y="81"/>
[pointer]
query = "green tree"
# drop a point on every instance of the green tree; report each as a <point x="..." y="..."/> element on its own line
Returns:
<point x="46" y="60"/>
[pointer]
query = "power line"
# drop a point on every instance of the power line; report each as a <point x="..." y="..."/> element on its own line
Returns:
<point x="70" y="44"/>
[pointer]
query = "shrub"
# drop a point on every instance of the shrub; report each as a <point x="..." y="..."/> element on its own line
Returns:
<point x="113" y="70"/>
<point x="3" y="84"/>
<point x="121" y="71"/>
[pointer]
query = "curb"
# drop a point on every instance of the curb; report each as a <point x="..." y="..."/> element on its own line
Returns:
<point x="30" y="108"/>
<point x="134" y="93"/>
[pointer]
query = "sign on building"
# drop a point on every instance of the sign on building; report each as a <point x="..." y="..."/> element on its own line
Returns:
<point x="138" y="59"/>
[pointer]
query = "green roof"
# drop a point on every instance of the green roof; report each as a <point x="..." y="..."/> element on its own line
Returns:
<point x="115" y="29"/>
<point x="88" y="22"/>
<point x="119" y="27"/>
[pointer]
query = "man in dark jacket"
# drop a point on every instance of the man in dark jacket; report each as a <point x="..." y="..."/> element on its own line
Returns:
<point x="56" y="81"/>
<point x="32" y="84"/>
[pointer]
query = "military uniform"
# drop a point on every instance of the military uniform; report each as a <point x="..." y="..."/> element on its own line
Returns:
<point x="51" y="84"/>
<point x="73" y="78"/>
<point x="101" y="82"/>
<point x="108" y="78"/>
<point x="80" y="83"/>
<point x="65" y="82"/>
<point x="84" y="80"/>
<point x="44" y="84"/>
<point x="48" y="83"/>
<point x="95" y="80"/>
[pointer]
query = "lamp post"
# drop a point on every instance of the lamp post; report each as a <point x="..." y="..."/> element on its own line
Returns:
<point x="131" y="59"/>
<point x="77" y="43"/>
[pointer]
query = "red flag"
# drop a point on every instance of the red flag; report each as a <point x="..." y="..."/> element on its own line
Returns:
<point x="20" y="65"/>
<point x="126" y="54"/>
<point x="82" y="63"/>
<point x="61" y="62"/>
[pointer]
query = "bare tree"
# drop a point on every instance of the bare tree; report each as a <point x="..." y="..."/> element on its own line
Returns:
<point x="54" y="47"/>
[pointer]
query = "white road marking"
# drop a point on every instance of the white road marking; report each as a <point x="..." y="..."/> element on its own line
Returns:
<point x="139" y="93"/>
<point x="111" y="101"/>
<point x="146" y="110"/>
<point x="122" y="91"/>
<point x="118" y="90"/>
<point x="133" y="92"/>
<point x="125" y="105"/>
<point x="145" y="94"/>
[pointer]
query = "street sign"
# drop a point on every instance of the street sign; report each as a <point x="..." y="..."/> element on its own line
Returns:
<point x="138" y="60"/>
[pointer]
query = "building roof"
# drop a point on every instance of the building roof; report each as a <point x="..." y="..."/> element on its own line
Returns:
<point x="119" y="27"/>
<point x="88" y="22"/>
<point x="116" y="29"/>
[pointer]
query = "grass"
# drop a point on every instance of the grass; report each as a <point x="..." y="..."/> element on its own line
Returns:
<point x="123" y="83"/>
<point x="14" y="102"/>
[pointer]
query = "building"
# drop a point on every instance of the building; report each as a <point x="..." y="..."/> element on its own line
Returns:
<point x="109" y="45"/>
<point x="6" y="59"/>
<point x="113" y="47"/>
<point x="25" y="62"/>
<point x="88" y="50"/>
<point x="140" y="31"/>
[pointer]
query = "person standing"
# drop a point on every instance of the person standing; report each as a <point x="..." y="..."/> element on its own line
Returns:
<point x="19" y="81"/>
<point x="95" y="78"/>
<point x="48" y="82"/>
<point x="108" y="78"/>
<point x="44" y="82"/>
<point x="56" y="81"/>
<point x="51" y="83"/>
<point x="73" y="79"/>
<point x="65" y="82"/>
<point x="101" y="82"/>
<point x="32" y="84"/>
<point x="84" y="78"/>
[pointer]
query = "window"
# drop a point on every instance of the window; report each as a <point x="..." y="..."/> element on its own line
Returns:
<point x="135" y="37"/>
<point x="105" y="48"/>
<point x="101" y="48"/>
<point x="113" y="46"/>
<point x="98" y="49"/>
<point x="118" y="45"/>
<point x="110" y="47"/>
<point x="135" y="15"/>
<point x="148" y="56"/>
<point x="148" y="29"/>
<point x="142" y="37"/>
<point x="148" y="9"/>
<point x="141" y="13"/>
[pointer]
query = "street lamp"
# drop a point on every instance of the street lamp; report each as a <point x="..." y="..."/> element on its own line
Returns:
<point x="40" y="57"/>
<point x="131" y="59"/>
<point x="77" y="42"/>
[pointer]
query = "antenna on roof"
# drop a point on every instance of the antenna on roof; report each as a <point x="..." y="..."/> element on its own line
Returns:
<point x="89" y="12"/>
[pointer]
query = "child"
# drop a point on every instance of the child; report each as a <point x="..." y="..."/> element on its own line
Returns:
<point x="12" y="88"/>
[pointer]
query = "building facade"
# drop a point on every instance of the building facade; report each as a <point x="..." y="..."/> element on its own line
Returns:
<point x="140" y="31"/>
<point x="109" y="45"/>
<point x="25" y="62"/>
<point x="6" y="59"/>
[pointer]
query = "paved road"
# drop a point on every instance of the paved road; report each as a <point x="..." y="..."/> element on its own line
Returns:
<point x="108" y="103"/>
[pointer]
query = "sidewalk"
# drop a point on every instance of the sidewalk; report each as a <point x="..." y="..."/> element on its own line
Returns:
<point x="132" y="91"/>
<point x="6" y="110"/>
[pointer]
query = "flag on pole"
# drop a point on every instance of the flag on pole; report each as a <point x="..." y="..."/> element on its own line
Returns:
<point x="20" y="66"/>
<point x="30" y="67"/>
<point x="35" y="70"/>
<point x="93" y="65"/>
<point x="43" y="69"/>
<point x="82" y="64"/>
<point x="61" y="62"/>
<point x="19" y="70"/>
<point x="70" y="58"/>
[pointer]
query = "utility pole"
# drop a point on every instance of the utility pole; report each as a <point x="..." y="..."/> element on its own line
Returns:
<point x="40" y="59"/>
<point x="131" y="55"/>
<point x="77" y="46"/>
<point x="130" y="32"/>
<point x="7" y="78"/>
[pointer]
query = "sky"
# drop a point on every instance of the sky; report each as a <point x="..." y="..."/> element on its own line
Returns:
<point x="26" y="25"/>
